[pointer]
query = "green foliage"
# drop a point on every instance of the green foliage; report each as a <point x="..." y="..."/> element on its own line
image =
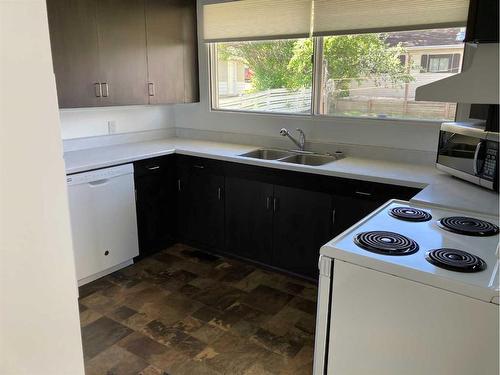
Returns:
<point x="288" y="63"/>
<point x="359" y="57"/>
<point x="268" y="61"/>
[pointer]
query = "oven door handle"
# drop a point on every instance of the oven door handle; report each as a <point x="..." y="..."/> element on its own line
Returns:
<point x="476" y="154"/>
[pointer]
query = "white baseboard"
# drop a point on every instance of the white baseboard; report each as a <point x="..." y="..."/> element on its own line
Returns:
<point x="98" y="275"/>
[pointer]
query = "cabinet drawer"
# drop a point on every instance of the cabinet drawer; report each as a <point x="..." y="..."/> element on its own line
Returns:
<point x="151" y="166"/>
<point x="372" y="191"/>
<point x="197" y="164"/>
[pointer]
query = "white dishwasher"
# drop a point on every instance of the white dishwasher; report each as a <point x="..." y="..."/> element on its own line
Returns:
<point x="103" y="221"/>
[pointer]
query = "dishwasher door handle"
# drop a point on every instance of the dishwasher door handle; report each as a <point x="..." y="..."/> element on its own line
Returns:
<point x="103" y="181"/>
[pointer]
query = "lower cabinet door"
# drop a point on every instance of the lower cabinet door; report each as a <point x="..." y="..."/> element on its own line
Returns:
<point x="201" y="207"/>
<point x="155" y="212"/>
<point x="303" y="222"/>
<point x="249" y="219"/>
<point x="350" y="210"/>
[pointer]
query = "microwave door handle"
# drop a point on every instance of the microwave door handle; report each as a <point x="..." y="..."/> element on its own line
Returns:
<point x="476" y="154"/>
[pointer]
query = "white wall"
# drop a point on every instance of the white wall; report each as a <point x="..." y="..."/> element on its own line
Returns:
<point x="89" y="122"/>
<point x="404" y="135"/>
<point x="39" y="323"/>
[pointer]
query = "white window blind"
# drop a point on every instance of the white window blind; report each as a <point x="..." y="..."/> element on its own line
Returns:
<point x="335" y="17"/>
<point x="275" y="19"/>
<point x="256" y="19"/>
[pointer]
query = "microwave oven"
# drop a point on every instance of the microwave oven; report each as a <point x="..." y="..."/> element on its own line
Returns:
<point x="469" y="153"/>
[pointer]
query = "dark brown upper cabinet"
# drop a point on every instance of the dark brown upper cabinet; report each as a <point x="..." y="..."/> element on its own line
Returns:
<point x="172" y="51"/>
<point x="124" y="52"/>
<point x="73" y="36"/>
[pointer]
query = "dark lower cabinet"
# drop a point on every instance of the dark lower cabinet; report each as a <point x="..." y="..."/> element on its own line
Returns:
<point x="249" y="219"/>
<point x="155" y="203"/>
<point x="302" y="224"/>
<point x="274" y="217"/>
<point x="351" y="209"/>
<point x="200" y="208"/>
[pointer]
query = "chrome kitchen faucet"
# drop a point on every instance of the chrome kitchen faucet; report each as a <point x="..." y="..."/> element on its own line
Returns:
<point x="302" y="138"/>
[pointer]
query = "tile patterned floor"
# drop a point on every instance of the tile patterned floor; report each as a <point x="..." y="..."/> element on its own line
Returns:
<point x="184" y="312"/>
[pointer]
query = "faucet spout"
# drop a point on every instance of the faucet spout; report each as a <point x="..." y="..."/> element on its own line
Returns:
<point x="300" y="143"/>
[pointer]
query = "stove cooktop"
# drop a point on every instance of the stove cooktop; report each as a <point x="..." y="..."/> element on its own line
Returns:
<point x="455" y="260"/>
<point x="387" y="243"/>
<point x="461" y="263"/>
<point x="409" y="214"/>
<point x="468" y="226"/>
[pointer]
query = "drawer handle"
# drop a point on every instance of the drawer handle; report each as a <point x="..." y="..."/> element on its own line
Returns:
<point x="151" y="89"/>
<point x="198" y="166"/>
<point x="98" y="89"/>
<point x="154" y="167"/>
<point x="105" y="92"/>
<point x="363" y="193"/>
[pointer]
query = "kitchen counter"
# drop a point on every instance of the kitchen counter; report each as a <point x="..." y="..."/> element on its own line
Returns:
<point x="439" y="189"/>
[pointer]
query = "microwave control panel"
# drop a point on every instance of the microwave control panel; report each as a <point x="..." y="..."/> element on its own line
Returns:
<point x="490" y="164"/>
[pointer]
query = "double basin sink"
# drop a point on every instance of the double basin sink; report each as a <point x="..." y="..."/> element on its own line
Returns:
<point x="298" y="157"/>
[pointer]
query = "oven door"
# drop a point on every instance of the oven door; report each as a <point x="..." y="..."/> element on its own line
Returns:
<point x="458" y="154"/>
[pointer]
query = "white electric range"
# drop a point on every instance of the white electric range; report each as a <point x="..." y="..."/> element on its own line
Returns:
<point x="410" y="289"/>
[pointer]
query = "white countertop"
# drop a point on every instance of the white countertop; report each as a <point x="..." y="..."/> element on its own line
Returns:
<point x="439" y="189"/>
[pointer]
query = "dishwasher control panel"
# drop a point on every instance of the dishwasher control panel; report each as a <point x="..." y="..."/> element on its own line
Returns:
<point x="99" y="174"/>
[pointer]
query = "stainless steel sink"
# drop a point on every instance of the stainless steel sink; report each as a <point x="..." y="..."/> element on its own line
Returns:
<point x="295" y="157"/>
<point x="267" y="154"/>
<point x="313" y="160"/>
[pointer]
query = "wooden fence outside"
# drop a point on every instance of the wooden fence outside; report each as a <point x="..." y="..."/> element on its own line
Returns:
<point x="274" y="100"/>
<point x="283" y="100"/>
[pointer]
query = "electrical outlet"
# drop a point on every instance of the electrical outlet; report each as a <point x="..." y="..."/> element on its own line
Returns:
<point x="111" y="127"/>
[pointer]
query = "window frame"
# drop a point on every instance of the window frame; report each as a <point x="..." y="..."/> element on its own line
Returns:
<point x="439" y="56"/>
<point x="316" y="92"/>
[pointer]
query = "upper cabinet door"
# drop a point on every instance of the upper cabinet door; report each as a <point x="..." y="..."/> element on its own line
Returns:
<point x="73" y="36"/>
<point x="172" y="51"/>
<point x="122" y="52"/>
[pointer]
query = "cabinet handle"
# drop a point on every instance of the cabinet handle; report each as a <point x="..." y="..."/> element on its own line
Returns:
<point x="333" y="218"/>
<point x="275" y="204"/>
<point x="105" y="92"/>
<point x="98" y="89"/>
<point x="179" y="185"/>
<point x="363" y="193"/>
<point x="198" y="166"/>
<point x="151" y="89"/>
<point x="219" y="193"/>
<point x="268" y="203"/>
<point x="154" y="167"/>
<point x="106" y="253"/>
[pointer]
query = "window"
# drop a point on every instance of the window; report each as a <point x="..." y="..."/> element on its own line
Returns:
<point x="332" y="57"/>
<point x="264" y="76"/>
<point x="441" y="63"/>
<point x="366" y="75"/>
